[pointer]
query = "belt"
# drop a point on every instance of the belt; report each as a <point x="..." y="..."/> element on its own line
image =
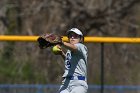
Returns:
<point x="76" y="77"/>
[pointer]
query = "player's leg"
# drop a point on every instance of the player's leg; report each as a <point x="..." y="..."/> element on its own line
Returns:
<point x="64" y="87"/>
<point x="64" y="91"/>
<point x="79" y="89"/>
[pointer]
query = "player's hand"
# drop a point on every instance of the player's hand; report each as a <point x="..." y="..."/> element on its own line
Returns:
<point x="62" y="52"/>
<point x="57" y="49"/>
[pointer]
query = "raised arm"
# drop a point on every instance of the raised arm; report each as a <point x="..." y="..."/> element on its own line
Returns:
<point x="70" y="46"/>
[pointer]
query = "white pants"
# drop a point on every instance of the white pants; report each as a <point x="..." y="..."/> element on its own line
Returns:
<point x="73" y="86"/>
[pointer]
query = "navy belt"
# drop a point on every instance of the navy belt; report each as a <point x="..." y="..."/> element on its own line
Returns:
<point x="76" y="77"/>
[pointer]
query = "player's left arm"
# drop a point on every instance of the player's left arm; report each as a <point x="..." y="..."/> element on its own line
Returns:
<point x="63" y="54"/>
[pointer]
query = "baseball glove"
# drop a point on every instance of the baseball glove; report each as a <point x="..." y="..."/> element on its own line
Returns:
<point x="48" y="40"/>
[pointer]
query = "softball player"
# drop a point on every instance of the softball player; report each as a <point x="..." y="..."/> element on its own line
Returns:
<point x="75" y="75"/>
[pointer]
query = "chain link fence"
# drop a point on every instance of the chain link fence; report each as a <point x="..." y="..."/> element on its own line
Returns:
<point x="49" y="88"/>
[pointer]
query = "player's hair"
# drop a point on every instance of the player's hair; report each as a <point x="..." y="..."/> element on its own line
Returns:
<point x="81" y="39"/>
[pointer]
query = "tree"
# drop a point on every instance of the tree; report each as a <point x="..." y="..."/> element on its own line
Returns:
<point x="93" y="17"/>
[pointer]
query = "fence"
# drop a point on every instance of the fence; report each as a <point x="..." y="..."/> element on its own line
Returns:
<point x="87" y="39"/>
<point x="49" y="88"/>
<point x="92" y="89"/>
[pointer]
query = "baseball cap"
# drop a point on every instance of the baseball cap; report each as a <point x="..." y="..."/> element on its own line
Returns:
<point x="75" y="30"/>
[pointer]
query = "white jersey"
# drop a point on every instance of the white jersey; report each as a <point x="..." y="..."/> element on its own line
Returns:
<point x="76" y="62"/>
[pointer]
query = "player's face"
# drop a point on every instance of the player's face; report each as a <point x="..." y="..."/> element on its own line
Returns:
<point x="74" y="38"/>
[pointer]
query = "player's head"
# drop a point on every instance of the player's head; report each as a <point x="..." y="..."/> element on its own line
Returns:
<point x="75" y="36"/>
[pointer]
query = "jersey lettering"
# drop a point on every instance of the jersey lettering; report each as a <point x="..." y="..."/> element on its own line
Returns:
<point x="68" y="58"/>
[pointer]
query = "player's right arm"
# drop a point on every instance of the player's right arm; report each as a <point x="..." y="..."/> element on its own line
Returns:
<point x="70" y="46"/>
